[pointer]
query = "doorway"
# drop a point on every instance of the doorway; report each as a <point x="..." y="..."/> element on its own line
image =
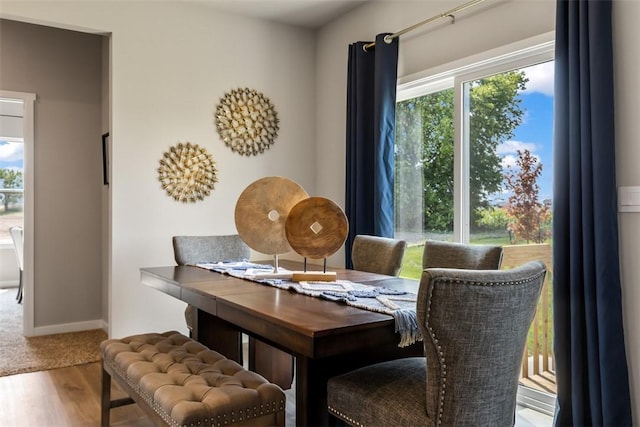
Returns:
<point x="16" y="135"/>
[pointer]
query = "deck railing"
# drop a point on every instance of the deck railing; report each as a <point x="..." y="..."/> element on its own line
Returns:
<point x="538" y="363"/>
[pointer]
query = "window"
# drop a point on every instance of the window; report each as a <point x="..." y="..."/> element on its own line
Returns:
<point x="11" y="166"/>
<point x="473" y="162"/>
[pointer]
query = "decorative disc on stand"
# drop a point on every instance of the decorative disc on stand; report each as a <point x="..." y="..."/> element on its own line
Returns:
<point x="261" y="214"/>
<point x="316" y="227"/>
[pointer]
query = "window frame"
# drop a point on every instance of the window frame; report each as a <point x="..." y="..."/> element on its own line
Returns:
<point x="454" y="75"/>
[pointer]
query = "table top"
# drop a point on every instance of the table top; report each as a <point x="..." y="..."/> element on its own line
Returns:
<point x="300" y="324"/>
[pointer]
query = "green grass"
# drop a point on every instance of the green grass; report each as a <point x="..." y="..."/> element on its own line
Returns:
<point x="412" y="262"/>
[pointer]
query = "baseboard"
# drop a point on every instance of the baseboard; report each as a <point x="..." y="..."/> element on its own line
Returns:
<point x="69" y="327"/>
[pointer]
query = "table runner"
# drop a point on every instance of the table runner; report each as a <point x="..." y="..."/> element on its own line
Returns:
<point x="399" y="304"/>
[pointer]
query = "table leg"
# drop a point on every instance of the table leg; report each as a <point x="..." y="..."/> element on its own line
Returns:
<point x="311" y="392"/>
<point x="218" y="335"/>
<point x="273" y="364"/>
<point x="312" y="376"/>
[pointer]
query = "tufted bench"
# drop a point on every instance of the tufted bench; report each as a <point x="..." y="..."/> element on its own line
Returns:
<point x="179" y="382"/>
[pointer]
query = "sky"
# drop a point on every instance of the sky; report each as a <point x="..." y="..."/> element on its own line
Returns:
<point x="11" y="155"/>
<point x="536" y="131"/>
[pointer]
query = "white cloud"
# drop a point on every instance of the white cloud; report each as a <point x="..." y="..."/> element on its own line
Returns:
<point x="509" y="161"/>
<point x="540" y="78"/>
<point x="510" y="149"/>
<point x="514" y="146"/>
<point x="11" y="152"/>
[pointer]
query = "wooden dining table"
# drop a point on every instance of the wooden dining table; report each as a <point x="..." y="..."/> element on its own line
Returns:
<point x="325" y="338"/>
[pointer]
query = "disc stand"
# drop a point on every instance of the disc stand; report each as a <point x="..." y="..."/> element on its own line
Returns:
<point x="315" y="276"/>
<point x="299" y="276"/>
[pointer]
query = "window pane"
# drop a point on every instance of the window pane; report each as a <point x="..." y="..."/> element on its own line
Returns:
<point x="510" y="125"/>
<point x="424" y="167"/>
<point x="510" y="142"/>
<point x="423" y="174"/>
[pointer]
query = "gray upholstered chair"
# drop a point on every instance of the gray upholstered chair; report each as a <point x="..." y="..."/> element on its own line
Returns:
<point x="474" y="324"/>
<point x="375" y="254"/>
<point x="194" y="249"/>
<point x="438" y="254"/>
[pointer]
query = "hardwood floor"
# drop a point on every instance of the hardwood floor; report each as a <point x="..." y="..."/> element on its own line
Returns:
<point x="70" y="397"/>
<point x="66" y="397"/>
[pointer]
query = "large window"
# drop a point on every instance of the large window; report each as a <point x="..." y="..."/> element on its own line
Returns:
<point x="473" y="154"/>
<point x="11" y="166"/>
<point x="474" y="165"/>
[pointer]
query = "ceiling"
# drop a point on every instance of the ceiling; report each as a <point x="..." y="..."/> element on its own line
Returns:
<point x="304" y="13"/>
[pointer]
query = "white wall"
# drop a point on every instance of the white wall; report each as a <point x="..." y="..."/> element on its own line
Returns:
<point x="626" y="15"/>
<point x="498" y="23"/>
<point x="9" y="273"/>
<point x="170" y="65"/>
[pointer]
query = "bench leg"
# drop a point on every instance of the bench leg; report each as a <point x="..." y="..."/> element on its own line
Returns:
<point x="105" y="404"/>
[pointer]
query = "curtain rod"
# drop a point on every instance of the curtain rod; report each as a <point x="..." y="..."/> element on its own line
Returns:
<point x="448" y="14"/>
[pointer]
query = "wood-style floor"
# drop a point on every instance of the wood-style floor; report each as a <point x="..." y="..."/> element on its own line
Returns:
<point x="66" y="397"/>
<point x="70" y="397"/>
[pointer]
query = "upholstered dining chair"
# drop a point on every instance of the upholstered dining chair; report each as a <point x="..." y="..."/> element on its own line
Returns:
<point x="438" y="254"/>
<point x="194" y="249"/>
<point x="474" y="324"/>
<point x="375" y="254"/>
<point x="17" y="235"/>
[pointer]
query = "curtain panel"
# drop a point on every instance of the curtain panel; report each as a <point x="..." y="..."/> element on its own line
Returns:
<point x="370" y="139"/>
<point x="591" y="367"/>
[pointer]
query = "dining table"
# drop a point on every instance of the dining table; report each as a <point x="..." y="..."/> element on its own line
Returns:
<point x="322" y="338"/>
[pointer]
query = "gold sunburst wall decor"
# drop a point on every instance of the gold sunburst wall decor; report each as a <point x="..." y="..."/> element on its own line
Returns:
<point x="246" y="121"/>
<point x="187" y="172"/>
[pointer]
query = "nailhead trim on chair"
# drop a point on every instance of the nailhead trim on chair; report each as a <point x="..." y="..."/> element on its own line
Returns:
<point x="434" y="339"/>
<point x="344" y="417"/>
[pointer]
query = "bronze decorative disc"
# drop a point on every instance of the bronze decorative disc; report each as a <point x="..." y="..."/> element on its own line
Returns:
<point x="262" y="210"/>
<point x="316" y="227"/>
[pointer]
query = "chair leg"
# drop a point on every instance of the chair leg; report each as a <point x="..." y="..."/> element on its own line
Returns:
<point x="19" y="295"/>
<point x="105" y="404"/>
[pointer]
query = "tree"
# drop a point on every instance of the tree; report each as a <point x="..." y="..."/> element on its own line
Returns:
<point x="11" y="178"/>
<point x="495" y="112"/>
<point x="493" y="218"/>
<point x="530" y="217"/>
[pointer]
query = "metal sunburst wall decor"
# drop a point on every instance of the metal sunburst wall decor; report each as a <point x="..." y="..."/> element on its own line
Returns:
<point x="187" y="172"/>
<point x="246" y="121"/>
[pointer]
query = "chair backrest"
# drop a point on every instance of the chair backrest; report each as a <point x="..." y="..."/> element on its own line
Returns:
<point x="375" y="254"/>
<point x="475" y="324"/>
<point x="17" y="234"/>
<point x="194" y="249"/>
<point x="438" y="254"/>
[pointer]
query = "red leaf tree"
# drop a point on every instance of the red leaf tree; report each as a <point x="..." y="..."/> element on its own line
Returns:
<point x="530" y="218"/>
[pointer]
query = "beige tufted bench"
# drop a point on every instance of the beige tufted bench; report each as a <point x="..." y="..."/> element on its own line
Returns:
<point x="179" y="382"/>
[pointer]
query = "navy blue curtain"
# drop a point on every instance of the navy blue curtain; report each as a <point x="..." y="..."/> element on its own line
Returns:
<point x="591" y="367"/>
<point x="371" y="110"/>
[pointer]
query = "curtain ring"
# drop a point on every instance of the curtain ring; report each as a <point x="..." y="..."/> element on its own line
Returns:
<point x="452" y="17"/>
<point x="388" y="39"/>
